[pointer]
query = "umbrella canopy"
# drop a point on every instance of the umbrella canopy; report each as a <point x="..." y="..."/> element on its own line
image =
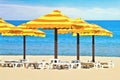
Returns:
<point x="30" y="32"/>
<point x="54" y="20"/>
<point x="94" y="29"/>
<point x="81" y="23"/>
<point x="5" y="26"/>
<point x="78" y="26"/>
<point x="17" y="31"/>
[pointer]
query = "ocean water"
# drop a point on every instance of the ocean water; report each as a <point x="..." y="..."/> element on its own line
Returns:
<point x="104" y="46"/>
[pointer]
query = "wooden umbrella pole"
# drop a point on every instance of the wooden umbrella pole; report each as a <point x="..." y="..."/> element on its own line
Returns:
<point x="55" y="44"/>
<point x="24" y="47"/>
<point x="93" y="49"/>
<point x="78" y="46"/>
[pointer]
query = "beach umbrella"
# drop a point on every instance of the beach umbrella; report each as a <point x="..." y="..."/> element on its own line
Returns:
<point x="54" y="20"/>
<point x="76" y="22"/>
<point x="18" y="31"/>
<point x="94" y="30"/>
<point x="82" y="28"/>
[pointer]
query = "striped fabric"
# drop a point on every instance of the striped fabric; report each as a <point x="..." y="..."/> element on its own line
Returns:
<point x="80" y="23"/>
<point x="4" y="24"/>
<point x="86" y="29"/>
<point x="93" y="30"/>
<point x="30" y="32"/>
<point x="22" y="31"/>
<point x="52" y="20"/>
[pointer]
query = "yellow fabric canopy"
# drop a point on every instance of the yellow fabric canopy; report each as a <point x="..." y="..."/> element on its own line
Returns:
<point x="85" y="29"/>
<point x="5" y="26"/>
<point x="27" y="31"/>
<point x="18" y="31"/>
<point x="52" y="20"/>
<point x="94" y="30"/>
<point x="78" y="24"/>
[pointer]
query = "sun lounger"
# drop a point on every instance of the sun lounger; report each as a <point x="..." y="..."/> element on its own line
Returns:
<point x="57" y="64"/>
<point x="53" y="63"/>
<point x="12" y="63"/>
<point x="43" y="64"/>
<point x="35" y="64"/>
<point x="75" y="64"/>
<point x="32" y="64"/>
<point x="89" y="64"/>
<point x="97" y="65"/>
<point x="61" y="65"/>
<point x="107" y="64"/>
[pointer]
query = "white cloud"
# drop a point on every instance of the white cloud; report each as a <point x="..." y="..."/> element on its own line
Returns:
<point x="31" y="12"/>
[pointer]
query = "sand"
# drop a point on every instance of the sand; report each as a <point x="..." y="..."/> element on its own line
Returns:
<point x="71" y="74"/>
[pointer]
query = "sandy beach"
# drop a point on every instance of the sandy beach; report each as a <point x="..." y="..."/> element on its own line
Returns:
<point x="7" y="73"/>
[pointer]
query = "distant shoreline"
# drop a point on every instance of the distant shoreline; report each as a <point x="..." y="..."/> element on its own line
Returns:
<point x="60" y="56"/>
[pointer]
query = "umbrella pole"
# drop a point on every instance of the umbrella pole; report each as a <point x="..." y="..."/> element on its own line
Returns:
<point x="55" y="44"/>
<point x="93" y="48"/>
<point x="78" y="46"/>
<point x="24" y="47"/>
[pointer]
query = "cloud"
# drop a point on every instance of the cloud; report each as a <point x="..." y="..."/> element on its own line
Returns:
<point x="31" y="12"/>
<point x="21" y="12"/>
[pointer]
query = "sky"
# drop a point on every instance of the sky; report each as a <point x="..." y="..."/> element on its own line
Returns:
<point x="85" y="9"/>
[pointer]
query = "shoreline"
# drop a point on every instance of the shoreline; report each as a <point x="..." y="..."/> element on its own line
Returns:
<point x="63" y="55"/>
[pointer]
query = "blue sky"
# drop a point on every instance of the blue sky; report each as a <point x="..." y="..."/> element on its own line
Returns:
<point x="86" y="9"/>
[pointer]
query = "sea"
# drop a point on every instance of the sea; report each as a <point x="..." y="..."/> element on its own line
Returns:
<point x="104" y="45"/>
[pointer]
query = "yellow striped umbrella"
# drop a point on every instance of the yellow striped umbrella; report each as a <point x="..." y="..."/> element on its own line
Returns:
<point x="17" y="31"/>
<point x="54" y="20"/>
<point x="91" y="30"/>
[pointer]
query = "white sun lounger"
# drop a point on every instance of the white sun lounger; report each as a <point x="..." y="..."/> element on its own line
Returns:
<point x="75" y="64"/>
<point x="107" y="64"/>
